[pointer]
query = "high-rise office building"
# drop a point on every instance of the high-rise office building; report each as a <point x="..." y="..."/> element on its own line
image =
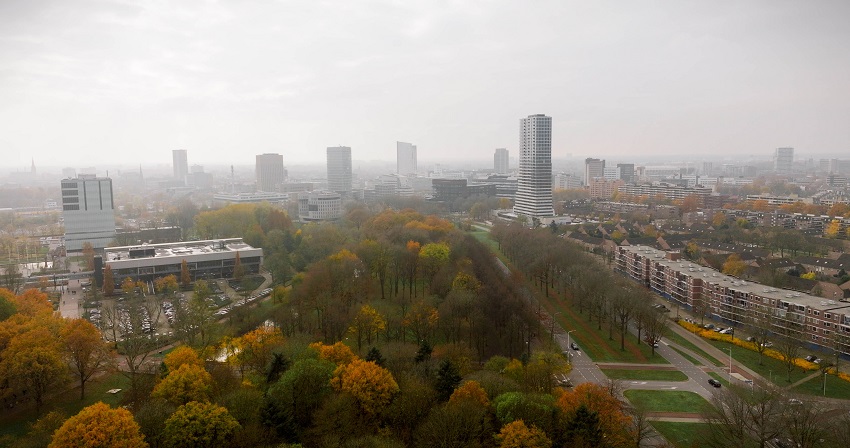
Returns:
<point x="626" y="172"/>
<point x="270" y="171"/>
<point x="501" y="161"/>
<point x="339" y="170"/>
<point x="593" y="168"/>
<point x="88" y="212"/>
<point x="405" y="158"/>
<point x="534" y="184"/>
<point x="180" y="164"/>
<point x="783" y="159"/>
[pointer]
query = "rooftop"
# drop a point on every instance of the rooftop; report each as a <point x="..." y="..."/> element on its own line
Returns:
<point x="714" y="277"/>
<point x="181" y="249"/>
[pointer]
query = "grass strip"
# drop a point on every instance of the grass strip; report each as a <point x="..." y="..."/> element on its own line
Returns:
<point x="666" y="400"/>
<point x="678" y="339"/>
<point x="835" y="387"/>
<point x="682" y="434"/>
<point x="690" y="358"/>
<point x="645" y="375"/>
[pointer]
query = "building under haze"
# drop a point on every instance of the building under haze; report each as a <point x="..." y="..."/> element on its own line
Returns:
<point x="405" y="158"/>
<point x="88" y="212"/>
<point x="180" y="163"/>
<point x="626" y="172"/>
<point x="501" y="161"/>
<point x="593" y="168"/>
<point x="783" y="160"/>
<point x="270" y="171"/>
<point x="319" y="206"/>
<point x="534" y="184"/>
<point x="339" y="170"/>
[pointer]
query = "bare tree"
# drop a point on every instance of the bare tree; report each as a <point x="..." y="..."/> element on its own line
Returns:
<point x="746" y="416"/>
<point x="655" y="328"/>
<point x="788" y="345"/>
<point x="760" y="320"/>
<point x="806" y="424"/>
<point x="622" y="309"/>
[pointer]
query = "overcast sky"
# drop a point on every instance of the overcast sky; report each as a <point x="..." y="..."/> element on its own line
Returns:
<point x="84" y="83"/>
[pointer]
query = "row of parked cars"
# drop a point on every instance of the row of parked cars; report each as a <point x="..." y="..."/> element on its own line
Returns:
<point x="256" y="296"/>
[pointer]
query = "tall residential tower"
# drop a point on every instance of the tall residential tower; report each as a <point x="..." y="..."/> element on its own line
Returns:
<point x="534" y="184"/>
<point x="339" y="170"/>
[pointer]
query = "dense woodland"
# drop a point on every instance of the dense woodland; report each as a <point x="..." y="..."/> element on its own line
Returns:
<point x="395" y="329"/>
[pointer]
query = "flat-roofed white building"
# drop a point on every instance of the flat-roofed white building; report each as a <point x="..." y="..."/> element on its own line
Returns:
<point x="205" y="259"/>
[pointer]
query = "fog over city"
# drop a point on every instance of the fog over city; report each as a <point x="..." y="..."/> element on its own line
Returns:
<point x="106" y="82"/>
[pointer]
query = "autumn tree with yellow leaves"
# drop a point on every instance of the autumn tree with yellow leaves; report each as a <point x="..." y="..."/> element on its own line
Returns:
<point x="372" y="386"/>
<point x="99" y="426"/>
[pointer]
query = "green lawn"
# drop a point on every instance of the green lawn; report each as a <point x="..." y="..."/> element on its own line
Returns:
<point x="666" y="401"/>
<point x="645" y="375"/>
<point x="835" y="387"/>
<point x="690" y="358"/>
<point x="678" y="339"/>
<point x="17" y="423"/>
<point x="681" y="434"/>
<point x="771" y="369"/>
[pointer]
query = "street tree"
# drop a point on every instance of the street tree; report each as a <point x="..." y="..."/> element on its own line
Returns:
<point x="86" y="351"/>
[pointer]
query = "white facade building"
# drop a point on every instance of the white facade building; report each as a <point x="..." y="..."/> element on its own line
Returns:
<point x="534" y="186"/>
<point x="88" y="212"/>
<point x="319" y="206"/>
<point x="180" y="163"/>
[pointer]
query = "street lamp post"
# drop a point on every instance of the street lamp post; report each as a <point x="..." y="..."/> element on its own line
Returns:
<point x="730" y="365"/>
<point x="552" y="325"/>
<point x="569" y="347"/>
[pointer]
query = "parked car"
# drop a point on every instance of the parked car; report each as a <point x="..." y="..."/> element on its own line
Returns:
<point x="709" y="326"/>
<point x="812" y="358"/>
<point x="714" y="382"/>
<point x="574" y="346"/>
<point x="726" y="331"/>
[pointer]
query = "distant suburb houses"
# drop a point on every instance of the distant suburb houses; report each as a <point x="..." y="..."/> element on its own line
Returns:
<point x="814" y="321"/>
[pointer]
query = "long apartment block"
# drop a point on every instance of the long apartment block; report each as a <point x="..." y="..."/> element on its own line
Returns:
<point x="815" y="321"/>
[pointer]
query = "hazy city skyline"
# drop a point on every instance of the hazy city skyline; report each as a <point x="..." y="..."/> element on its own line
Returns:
<point x="95" y="83"/>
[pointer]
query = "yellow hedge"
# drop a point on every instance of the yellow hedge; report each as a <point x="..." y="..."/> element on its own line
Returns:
<point x="713" y="335"/>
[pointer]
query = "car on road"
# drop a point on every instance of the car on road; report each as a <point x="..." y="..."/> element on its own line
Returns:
<point x="574" y="346"/>
<point x="714" y="382"/>
<point x="812" y="358"/>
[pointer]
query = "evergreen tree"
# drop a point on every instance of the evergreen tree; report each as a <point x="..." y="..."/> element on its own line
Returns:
<point x="375" y="356"/>
<point x="583" y="429"/>
<point x="448" y="378"/>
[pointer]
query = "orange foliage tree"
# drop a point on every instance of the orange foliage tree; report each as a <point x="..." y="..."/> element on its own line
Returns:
<point x="372" y="386"/>
<point x="517" y="435"/>
<point x="613" y="421"/>
<point x="338" y="353"/>
<point x="85" y="350"/>
<point x="470" y="392"/>
<point x="182" y="355"/>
